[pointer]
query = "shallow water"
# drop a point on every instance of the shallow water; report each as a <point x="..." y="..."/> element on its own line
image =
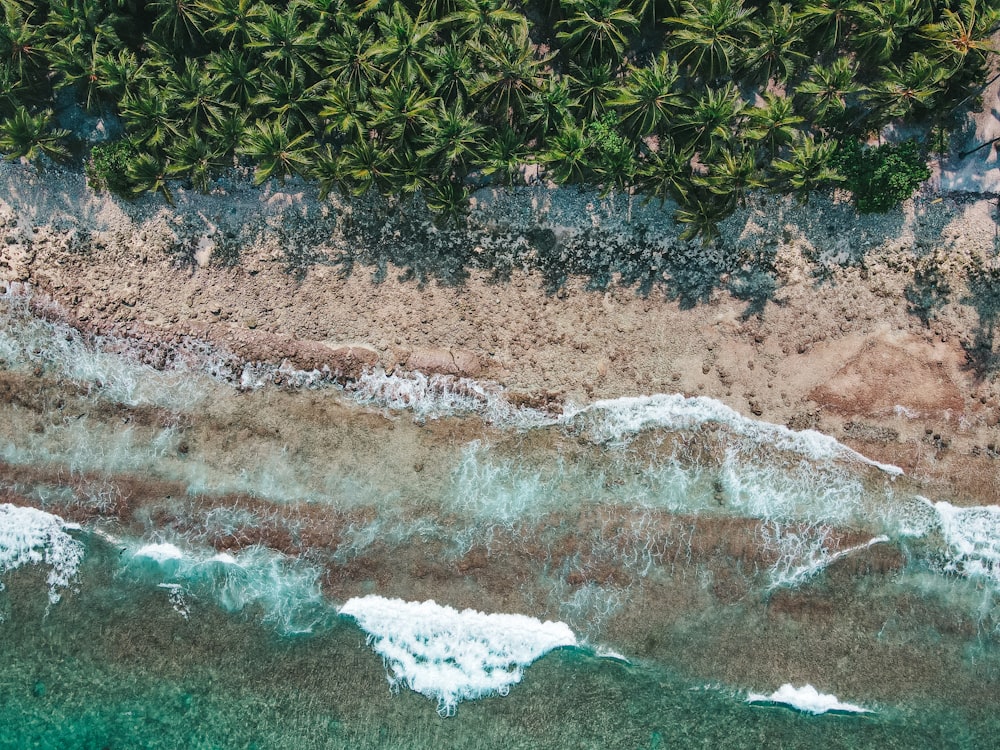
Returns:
<point x="693" y="556"/>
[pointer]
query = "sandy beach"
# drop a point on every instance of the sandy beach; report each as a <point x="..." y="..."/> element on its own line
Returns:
<point x="877" y="330"/>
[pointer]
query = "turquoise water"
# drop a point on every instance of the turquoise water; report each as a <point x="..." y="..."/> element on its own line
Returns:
<point x="203" y="531"/>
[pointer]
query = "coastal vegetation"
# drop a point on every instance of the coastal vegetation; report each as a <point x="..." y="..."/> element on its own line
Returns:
<point x="697" y="102"/>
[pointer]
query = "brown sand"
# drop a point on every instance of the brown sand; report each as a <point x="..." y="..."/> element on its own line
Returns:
<point x="839" y="348"/>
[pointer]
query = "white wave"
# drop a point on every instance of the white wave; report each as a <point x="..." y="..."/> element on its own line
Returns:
<point x="973" y="535"/>
<point x="616" y="419"/>
<point x="433" y="396"/>
<point x="286" y="591"/>
<point x="804" y="489"/>
<point x="26" y="338"/>
<point x="30" y="537"/>
<point x="807" y="699"/>
<point x="449" y="655"/>
<point x="160" y="553"/>
<point x="803" y="551"/>
<point x="603" y="652"/>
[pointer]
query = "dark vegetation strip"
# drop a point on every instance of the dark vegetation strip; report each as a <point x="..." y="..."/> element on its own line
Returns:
<point x="695" y="101"/>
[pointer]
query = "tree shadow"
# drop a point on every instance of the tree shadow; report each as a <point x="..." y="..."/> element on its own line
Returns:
<point x="840" y="237"/>
<point x="983" y="351"/>
<point x="641" y="252"/>
<point x="686" y="272"/>
<point x="380" y="232"/>
<point x="307" y="245"/>
<point x="756" y="287"/>
<point x="929" y="291"/>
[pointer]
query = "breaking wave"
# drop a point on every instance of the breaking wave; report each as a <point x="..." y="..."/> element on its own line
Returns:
<point x="33" y="537"/>
<point x="452" y="656"/>
<point x="807" y="699"/>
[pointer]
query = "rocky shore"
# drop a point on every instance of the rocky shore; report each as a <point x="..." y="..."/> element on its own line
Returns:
<point x="878" y="330"/>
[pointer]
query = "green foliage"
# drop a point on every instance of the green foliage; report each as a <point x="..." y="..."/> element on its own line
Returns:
<point x="696" y="101"/>
<point x="613" y="154"/>
<point x="881" y="178"/>
<point x="27" y="136"/>
<point x="108" y="167"/>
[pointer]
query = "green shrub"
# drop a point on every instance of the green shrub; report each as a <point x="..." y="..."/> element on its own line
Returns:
<point x="613" y="155"/>
<point x="108" y="167"/>
<point x="881" y="178"/>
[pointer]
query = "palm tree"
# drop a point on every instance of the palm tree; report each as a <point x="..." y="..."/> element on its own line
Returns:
<point x="227" y="136"/>
<point x="405" y="40"/>
<point x="150" y="114"/>
<point x="713" y="120"/>
<point x="72" y="26"/>
<point x="363" y="165"/>
<point x="708" y="35"/>
<point x="700" y="213"/>
<point x="439" y="10"/>
<point x="827" y="87"/>
<point x="289" y="99"/>
<point x="474" y="18"/>
<point x="326" y="171"/>
<point x="148" y="174"/>
<point x="808" y="168"/>
<point x="454" y="141"/>
<point x="731" y="176"/>
<point x="283" y="40"/>
<point x="78" y="61"/>
<point x="775" y="124"/>
<point x="963" y="33"/>
<point x="407" y="172"/>
<point x="401" y="110"/>
<point x="591" y="87"/>
<point x="774" y="50"/>
<point x="829" y="22"/>
<point x="904" y="90"/>
<point x="549" y="107"/>
<point x="449" y="201"/>
<point x="233" y="72"/>
<point x="119" y="74"/>
<point x="510" y="74"/>
<point x="196" y="158"/>
<point x="233" y="20"/>
<point x="665" y="173"/>
<point x="504" y="155"/>
<point x="180" y="24"/>
<point x="22" y="45"/>
<point x="650" y="98"/>
<point x="277" y="154"/>
<point x="194" y="90"/>
<point x="27" y="136"/>
<point x="885" y="25"/>
<point x="596" y="30"/>
<point x="349" y="60"/>
<point x="567" y="159"/>
<point x="329" y="16"/>
<point x="451" y="72"/>
<point x="345" y="113"/>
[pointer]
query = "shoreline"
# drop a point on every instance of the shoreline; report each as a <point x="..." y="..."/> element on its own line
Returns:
<point x="839" y="344"/>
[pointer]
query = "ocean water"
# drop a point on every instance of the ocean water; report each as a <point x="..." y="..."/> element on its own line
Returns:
<point x="193" y="556"/>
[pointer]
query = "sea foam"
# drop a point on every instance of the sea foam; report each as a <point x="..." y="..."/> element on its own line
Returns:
<point x="434" y="396"/>
<point x="973" y="536"/>
<point x="285" y="591"/>
<point x="806" y="699"/>
<point x="449" y="655"/>
<point x="614" y="420"/>
<point x="29" y="537"/>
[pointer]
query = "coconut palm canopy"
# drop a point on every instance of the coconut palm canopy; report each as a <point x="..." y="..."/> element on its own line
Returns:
<point x="692" y="100"/>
